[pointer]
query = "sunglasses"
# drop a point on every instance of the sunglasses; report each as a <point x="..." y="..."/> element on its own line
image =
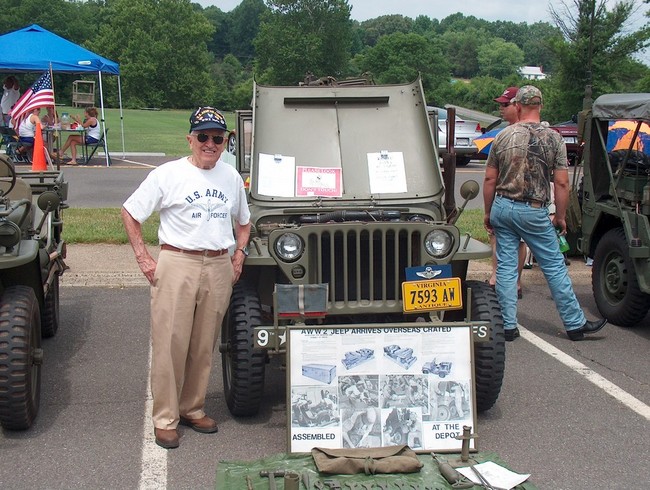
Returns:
<point x="202" y="137"/>
<point x="506" y="104"/>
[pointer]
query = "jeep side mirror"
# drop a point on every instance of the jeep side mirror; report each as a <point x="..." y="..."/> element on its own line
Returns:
<point x="48" y="201"/>
<point x="469" y="190"/>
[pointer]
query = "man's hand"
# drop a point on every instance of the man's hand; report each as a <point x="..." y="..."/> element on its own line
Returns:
<point x="237" y="264"/>
<point x="147" y="265"/>
<point x="559" y="224"/>
<point x="487" y="224"/>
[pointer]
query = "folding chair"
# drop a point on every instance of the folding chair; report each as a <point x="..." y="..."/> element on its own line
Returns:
<point x="10" y="140"/>
<point x="89" y="150"/>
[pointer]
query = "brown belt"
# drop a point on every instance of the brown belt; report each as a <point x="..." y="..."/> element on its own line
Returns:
<point x="205" y="253"/>
<point x="532" y="204"/>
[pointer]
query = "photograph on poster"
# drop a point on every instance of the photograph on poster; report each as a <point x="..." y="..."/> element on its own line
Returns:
<point x="370" y="387"/>
<point x="313" y="406"/>
<point x="403" y="426"/>
<point x="359" y="392"/>
<point x="361" y="428"/>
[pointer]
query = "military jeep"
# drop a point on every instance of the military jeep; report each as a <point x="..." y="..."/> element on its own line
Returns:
<point x="346" y="191"/>
<point x="616" y="205"/>
<point x="31" y="261"/>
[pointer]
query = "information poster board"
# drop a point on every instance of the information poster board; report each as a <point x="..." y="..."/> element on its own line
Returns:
<point x="374" y="386"/>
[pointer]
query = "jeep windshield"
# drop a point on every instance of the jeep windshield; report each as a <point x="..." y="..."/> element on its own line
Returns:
<point x="341" y="144"/>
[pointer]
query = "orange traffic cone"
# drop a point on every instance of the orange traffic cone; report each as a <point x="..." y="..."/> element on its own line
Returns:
<point x="38" y="160"/>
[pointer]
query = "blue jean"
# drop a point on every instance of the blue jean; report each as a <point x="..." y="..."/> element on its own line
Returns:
<point x="511" y="221"/>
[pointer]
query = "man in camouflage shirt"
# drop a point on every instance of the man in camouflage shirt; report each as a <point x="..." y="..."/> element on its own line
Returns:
<point x="523" y="160"/>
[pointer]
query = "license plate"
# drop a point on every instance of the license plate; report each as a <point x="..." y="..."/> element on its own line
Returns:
<point x="570" y="139"/>
<point x="441" y="294"/>
<point x="462" y="141"/>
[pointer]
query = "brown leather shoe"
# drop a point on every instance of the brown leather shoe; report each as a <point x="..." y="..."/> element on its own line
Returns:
<point x="204" y="425"/>
<point x="167" y="438"/>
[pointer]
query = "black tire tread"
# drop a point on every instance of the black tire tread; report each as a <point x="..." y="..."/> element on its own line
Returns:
<point x="634" y="305"/>
<point x="50" y="321"/>
<point x="246" y="365"/>
<point x="19" y="336"/>
<point x="490" y="356"/>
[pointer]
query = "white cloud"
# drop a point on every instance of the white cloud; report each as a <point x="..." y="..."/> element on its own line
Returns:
<point x="530" y="11"/>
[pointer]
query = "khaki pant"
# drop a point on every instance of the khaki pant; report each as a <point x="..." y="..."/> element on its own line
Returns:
<point x="189" y="299"/>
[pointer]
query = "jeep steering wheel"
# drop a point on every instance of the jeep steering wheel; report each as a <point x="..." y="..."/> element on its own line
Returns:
<point x="7" y="177"/>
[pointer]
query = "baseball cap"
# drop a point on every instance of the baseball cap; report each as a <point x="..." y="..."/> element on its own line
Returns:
<point x="507" y="95"/>
<point x="207" y="118"/>
<point x="527" y="95"/>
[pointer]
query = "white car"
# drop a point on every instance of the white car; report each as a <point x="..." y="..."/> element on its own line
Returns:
<point x="465" y="133"/>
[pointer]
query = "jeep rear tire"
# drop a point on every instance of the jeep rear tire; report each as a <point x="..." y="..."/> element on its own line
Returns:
<point x="243" y="365"/>
<point x="21" y="358"/>
<point x="489" y="356"/>
<point x="50" y="323"/>
<point x="614" y="283"/>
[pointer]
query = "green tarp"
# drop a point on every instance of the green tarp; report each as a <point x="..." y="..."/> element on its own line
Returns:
<point x="232" y="474"/>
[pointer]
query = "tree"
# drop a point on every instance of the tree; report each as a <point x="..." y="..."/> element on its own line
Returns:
<point x="462" y="49"/>
<point x="595" y="50"/>
<point x="244" y="26"/>
<point x="161" y="47"/>
<point x="499" y="58"/>
<point x="399" y="58"/>
<point x="384" y="25"/>
<point x="297" y="36"/>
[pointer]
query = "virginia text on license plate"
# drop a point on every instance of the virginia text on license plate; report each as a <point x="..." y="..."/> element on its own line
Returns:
<point x="441" y="294"/>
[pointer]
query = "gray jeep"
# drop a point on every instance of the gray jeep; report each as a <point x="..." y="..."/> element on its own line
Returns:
<point x="31" y="261"/>
<point x="346" y="191"/>
<point x="616" y="205"/>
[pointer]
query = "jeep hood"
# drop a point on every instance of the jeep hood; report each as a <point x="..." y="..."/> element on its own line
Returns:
<point x="341" y="144"/>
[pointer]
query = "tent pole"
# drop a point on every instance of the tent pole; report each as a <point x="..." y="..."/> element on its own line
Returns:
<point x="101" y="98"/>
<point x="119" y="94"/>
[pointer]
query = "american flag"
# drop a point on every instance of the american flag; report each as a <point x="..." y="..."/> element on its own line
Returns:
<point x="41" y="94"/>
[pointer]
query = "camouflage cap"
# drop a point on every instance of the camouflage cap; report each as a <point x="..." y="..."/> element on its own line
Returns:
<point x="528" y="95"/>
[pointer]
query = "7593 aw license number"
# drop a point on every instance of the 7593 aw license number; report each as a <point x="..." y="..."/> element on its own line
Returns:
<point x="441" y="294"/>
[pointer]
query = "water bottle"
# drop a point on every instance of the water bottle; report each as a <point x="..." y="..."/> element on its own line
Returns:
<point x="564" y="245"/>
<point x="65" y="121"/>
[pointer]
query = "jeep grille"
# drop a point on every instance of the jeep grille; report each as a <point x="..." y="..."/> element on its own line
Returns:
<point x="363" y="266"/>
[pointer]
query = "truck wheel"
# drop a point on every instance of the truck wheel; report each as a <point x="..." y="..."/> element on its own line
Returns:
<point x="232" y="143"/>
<point x="489" y="356"/>
<point x="21" y="358"/>
<point x="462" y="161"/>
<point x="243" y="365"/>
<point x="50" y="322"/>
<point x="616" y="289"/>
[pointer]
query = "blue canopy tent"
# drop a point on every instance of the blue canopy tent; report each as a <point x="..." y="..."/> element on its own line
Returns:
<point x="34" y="49"/>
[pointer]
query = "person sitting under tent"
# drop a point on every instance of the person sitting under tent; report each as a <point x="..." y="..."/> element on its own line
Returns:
<point x="26" y="132"/>
<point x="93" y="133"/>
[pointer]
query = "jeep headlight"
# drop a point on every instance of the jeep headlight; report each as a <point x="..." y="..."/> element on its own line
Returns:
<point x="438" y="243"/>
<point x="289" y="247"/>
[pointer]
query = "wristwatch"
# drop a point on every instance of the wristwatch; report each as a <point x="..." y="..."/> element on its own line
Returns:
<point x="244" y="250"/>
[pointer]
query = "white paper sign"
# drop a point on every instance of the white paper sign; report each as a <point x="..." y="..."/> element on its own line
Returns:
<point x="276" y="175"/>
<point x="386" y="172"/>
<point x="380" y="386"/>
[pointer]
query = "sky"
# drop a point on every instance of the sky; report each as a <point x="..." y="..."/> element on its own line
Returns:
<point x="529" y="11"/>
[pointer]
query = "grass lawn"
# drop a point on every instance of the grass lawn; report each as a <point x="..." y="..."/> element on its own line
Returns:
<point x="147" y="131"/>
<point x="104" y="225"/>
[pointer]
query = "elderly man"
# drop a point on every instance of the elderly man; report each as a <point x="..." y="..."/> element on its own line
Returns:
<point x="524" y="158"/>
<point x="198" y="197"/>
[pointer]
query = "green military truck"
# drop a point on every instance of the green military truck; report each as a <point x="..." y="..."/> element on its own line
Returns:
<point x="616" y="205"/>
<point x="346" y="190"/>
<point x="31" y="262"/>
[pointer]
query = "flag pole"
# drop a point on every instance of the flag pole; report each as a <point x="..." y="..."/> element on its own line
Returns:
<point x="56" y="121"/>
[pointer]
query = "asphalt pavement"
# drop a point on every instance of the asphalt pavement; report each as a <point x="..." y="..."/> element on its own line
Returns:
<point x="104" y="265"/>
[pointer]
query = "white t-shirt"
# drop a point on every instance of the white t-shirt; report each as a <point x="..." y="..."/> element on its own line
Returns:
<point x="9" y="97"/>
<point x="197" y="207"/>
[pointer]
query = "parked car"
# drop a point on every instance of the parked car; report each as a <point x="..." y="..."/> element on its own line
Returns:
<point x="465" y="133"/>
<point x="569" y="132"/>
